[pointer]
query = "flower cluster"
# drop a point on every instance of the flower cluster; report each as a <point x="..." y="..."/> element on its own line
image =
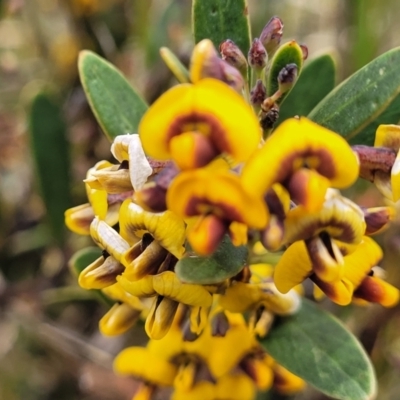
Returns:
<point x="200" y="172"/>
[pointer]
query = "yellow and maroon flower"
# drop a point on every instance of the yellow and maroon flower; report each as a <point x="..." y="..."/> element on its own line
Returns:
<point x="296" y="266"/>
<point x="340" y="219"/>
<point x="306" y="159"/>
<point x="218" y="198"/>
<point x="193" y="124"/>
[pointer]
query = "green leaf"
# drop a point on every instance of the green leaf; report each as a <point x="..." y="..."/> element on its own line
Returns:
<point x="219" y="20"/>
<point x="316" y="80"/>
<point x="51" y="155"/>
<point x="80" y="260"/>
<point x="361" y="98"/>
<point x="390" y="116"/>
<point x="116" y="105"/>
<point x="288" y="53"/>
<point x="317" y="347"/>
<point x="227" y="261"/>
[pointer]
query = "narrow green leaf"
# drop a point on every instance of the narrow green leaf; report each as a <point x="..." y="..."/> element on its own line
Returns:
<point x="390" y="116"/>
<point x="80" y="260"/>
<point x="227" y="261"/>
<point x="361" y="98"/>
<point x="51" y="155"/>
<point x="116" y="105"/>
<point x="219" y="20"/>
<point x="288" y="53"/>
<point x="316" y="80"/>
<point x="317" y="347"/>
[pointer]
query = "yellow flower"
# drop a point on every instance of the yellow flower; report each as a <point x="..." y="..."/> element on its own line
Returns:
<point x="168" y="292"/>
<point x="219" y="199"/>
<point x="162" y="236"/>
<point x="339" y="219"/>
<point x="193" y="124"/>
<point x="295" y="266"/>
<point x="304" y="157"/>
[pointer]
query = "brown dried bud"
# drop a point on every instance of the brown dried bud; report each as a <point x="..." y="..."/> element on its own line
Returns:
<point x="231" y="54"/>
<point x="287" y="77"/>
<point x="258" y="93"/>
<point x="268" y="119"/>
<point x="257" y="56"/>
<point x="271" y="35"/>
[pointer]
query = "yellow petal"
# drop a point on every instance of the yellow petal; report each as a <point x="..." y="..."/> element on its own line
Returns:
<point x="118" y="319"/>
<point x="100" y="273"/>
<point x="205" y="236"/>
<point x="168" y="285"/>
<point x="293" y="267"/>
<point x="278" y="303"/>
<point x="285" y="382"/>
<point x="388" y="136"/>
<point x="141" y="363"/>
<point x="147" y="263"/>
<point x="341" y="218"/>
<point x="236" y="386"/>
<point x="362" y="260"/>
<point x="207" y="107"/>
<point x="141" y="288"/>
<point x="79" y="218"/>
<point x="118" y="293"/>
<point x="240" y="297"/>
<point x="376" y="290"/>
<point x="108" y="238"/>
<point x="167" y="228"/>
<point x="395" y="178"/>
<point x="297" y="143"/>
<point x="160" y="318"/>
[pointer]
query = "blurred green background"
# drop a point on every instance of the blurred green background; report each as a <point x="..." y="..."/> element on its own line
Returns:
<point x="50" y="347"/>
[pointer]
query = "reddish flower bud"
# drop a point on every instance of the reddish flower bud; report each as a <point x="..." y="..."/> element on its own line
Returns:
<point x="271" y="35"/>
<point x="257" y="56"/>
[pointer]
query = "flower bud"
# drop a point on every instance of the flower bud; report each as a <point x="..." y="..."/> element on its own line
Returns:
<point x="287" y="77"/>
<point x="271" y="35"/>
<point x="258" y="93"/>
<point x="205" y="63"/>
<point x="231" y="54"/>
<point x="257" y="56"/>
